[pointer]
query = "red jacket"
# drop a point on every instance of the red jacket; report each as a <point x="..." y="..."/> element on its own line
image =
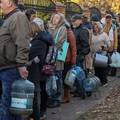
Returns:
<point x="71" y="54"/>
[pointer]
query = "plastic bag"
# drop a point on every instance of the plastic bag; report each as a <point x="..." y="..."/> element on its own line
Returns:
<point x="70" y="77"/>
<point x="115" y="60"/>
<point x="51" y="85"/>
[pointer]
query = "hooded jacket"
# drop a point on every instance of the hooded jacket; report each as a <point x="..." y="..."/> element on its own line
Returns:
<point x="100" y="39"/>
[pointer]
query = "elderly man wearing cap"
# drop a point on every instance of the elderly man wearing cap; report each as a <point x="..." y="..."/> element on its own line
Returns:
<point x="82" y="43"/>
<point x="82" y="38"/>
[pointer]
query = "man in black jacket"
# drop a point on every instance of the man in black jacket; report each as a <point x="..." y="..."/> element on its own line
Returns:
<point x="83" y="48"/>
<point x="82" y="39"/>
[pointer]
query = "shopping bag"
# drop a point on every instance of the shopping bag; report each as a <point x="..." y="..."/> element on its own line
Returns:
<point x="62" y="52"/>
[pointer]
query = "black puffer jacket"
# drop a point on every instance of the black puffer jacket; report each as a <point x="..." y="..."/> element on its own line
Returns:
<point x="82" y="40"/>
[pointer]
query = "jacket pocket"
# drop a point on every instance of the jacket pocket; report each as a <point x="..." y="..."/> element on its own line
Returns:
<point x="10" y="51"/>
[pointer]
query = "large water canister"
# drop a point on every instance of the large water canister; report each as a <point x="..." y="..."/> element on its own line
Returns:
<point x="91" y="83"/>
<point x="22" y="97"/>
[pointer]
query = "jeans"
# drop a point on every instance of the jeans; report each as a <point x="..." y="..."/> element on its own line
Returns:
<point x="102" y="74"/>
<point x="39" y="108"/>
<point x="80" y="61"/>
<point x="57" y="96"/>
<point x="7" y="77"/>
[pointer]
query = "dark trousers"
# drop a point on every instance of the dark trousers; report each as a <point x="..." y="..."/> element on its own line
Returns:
<point x="40" y="102"/>
<point x="102" y="74"/>
<point x="7" y="77"/>
<point x="0" y="90"/>
<point x="67" y="67"/>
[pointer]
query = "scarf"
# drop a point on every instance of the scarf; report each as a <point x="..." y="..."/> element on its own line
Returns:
<point x="107" y="27"/>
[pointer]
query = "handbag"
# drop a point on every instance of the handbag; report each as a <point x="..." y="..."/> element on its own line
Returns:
<point x="62" y="52"/>
<point x="100" y="60"/>
<point x="48" y="69"/>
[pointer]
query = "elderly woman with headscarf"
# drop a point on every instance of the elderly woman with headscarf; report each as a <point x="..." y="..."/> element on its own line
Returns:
<point x="57" y="26"/>
<point x="99" y="39"/>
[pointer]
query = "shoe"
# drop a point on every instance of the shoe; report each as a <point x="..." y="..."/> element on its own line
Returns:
<point x="54" y="104"/>
<point x="43" y="116"/>
<point x="104" y="84"/>
<point x="65" y="101"/>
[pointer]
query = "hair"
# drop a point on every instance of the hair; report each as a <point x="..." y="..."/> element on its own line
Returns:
<point x="100" y="27"/>
<point x="62" y="18"/>
<point x="29" y="12"/>
<point x="34" y="29"/>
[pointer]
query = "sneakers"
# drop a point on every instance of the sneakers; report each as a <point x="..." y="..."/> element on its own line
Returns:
<point x="43" y="116"/>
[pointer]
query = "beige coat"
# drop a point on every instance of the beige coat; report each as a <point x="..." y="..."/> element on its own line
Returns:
<point x="61" y="37"/>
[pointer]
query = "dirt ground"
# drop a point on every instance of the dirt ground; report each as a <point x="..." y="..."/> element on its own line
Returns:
<point x="108" y="109"/>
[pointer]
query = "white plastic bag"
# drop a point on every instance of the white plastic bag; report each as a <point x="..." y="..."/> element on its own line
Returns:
<point x="51" y="85"/>
<point x="70" y="78"/>
<point x="115" y="60"/>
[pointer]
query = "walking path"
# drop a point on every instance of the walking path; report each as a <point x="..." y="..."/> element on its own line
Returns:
<point x="77" y="106"/>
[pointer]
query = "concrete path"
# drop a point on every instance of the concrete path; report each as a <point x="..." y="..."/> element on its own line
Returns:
<point x="72" y="110"/>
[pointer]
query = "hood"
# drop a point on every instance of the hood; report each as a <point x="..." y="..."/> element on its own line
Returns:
<point x="100" y="27"/>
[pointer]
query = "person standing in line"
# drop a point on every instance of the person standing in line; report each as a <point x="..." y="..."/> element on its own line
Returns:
<point x="14" y="51"/>
<point x="82" y="45"/>
<point x="69" y="62"/>
<point x="99" y="41"/>
<point x="57" y="26"/>
<point x="111" y="30"/>
<point x="82" y="39"/>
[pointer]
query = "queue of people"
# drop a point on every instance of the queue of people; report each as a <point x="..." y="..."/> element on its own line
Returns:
<point x="24" y="38"/>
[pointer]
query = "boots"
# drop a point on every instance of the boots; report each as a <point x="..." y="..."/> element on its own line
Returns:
<point x="66" y="95"/>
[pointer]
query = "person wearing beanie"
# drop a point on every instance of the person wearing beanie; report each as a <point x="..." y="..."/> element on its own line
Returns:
<point x="94" y="18"/>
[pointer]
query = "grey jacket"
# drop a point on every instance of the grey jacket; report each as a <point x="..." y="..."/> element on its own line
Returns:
<point x="14" y="40"/>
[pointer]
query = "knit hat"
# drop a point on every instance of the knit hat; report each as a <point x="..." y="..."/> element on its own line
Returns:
<point x="94" y="18"/>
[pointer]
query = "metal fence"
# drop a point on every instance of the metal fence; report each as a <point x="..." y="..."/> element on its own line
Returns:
<point x="44" y="8"/>
<point x="71" y="9"/>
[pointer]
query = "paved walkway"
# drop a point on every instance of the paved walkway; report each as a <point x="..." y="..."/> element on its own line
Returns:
<point x="72" y="110"/>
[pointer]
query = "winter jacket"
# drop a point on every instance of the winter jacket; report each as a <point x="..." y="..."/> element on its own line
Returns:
<point x="61" y="37"/>
<point x="14" y="40"/>
<point x="82" y="40"/>
<point x="39" y="47"/>
<point x="71" y="54"/>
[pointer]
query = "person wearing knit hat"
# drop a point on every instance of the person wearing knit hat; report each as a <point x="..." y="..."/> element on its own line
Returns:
<point x="94" y="18"/>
